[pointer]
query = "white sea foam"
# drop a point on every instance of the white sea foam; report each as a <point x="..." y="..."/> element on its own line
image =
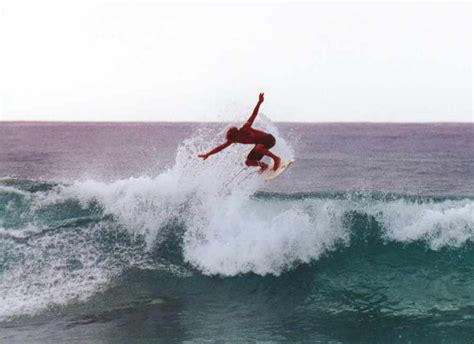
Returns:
<point x="24" y="232"/>
<point x="56" y="270"/>
<point x="262" y="237"/>
<point x="13" y="190"/>
<point x="450" y="222"/>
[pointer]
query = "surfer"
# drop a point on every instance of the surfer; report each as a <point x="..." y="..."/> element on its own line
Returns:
<point x="247" y="135"/>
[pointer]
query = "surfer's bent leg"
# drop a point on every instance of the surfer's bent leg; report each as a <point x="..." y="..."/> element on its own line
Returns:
<point x="261" y="149"/>
<point x="253" y="159"/>
<point x="251" y="162"/>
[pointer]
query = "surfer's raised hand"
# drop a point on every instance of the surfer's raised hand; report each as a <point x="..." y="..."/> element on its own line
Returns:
<point x="261" y="97"/>
<point x="204" y="156"/>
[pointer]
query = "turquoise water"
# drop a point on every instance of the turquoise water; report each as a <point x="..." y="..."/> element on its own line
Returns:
<point x="167" y="250"/>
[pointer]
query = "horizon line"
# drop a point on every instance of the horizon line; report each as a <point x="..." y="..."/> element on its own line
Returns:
<point x="220" y="122"/>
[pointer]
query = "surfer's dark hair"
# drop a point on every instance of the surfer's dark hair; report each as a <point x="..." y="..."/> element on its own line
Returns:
<point x="231" y="133"/>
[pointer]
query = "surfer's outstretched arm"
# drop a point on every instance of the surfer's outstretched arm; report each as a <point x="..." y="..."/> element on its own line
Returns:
<point x="216" y="150"/>
<point x="249" y="122"/>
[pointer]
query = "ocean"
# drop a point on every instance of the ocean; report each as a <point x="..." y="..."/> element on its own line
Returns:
<point x="119" y="233"/>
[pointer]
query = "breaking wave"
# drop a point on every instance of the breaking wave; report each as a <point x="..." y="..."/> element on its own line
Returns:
<point x="63" y="243"/>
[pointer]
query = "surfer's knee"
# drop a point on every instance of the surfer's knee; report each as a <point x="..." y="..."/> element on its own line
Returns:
<point x="259" y="148"/>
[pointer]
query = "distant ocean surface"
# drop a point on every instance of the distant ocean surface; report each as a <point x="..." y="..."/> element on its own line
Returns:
<point x="118" y="233"/>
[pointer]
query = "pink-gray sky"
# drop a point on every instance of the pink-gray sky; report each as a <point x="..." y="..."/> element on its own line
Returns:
<point x="154" y="61"/>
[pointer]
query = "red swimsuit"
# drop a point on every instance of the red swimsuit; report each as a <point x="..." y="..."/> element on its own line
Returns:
<point x="253" y="136"/>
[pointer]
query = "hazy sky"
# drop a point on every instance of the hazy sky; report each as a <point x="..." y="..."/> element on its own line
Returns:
<point x="142" y="60"/>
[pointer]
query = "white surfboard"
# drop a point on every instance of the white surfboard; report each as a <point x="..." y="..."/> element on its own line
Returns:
<point x="270" y="174"/>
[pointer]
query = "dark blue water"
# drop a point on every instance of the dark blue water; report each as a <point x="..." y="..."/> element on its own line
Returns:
<point x="118" y="233"/>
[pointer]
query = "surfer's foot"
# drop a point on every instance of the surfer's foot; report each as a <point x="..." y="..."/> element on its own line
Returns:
<point x="276" y="163"/>
<point x="263" y="167"/>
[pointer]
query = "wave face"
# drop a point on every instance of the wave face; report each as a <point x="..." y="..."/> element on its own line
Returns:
<point x="314" y="254"/>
